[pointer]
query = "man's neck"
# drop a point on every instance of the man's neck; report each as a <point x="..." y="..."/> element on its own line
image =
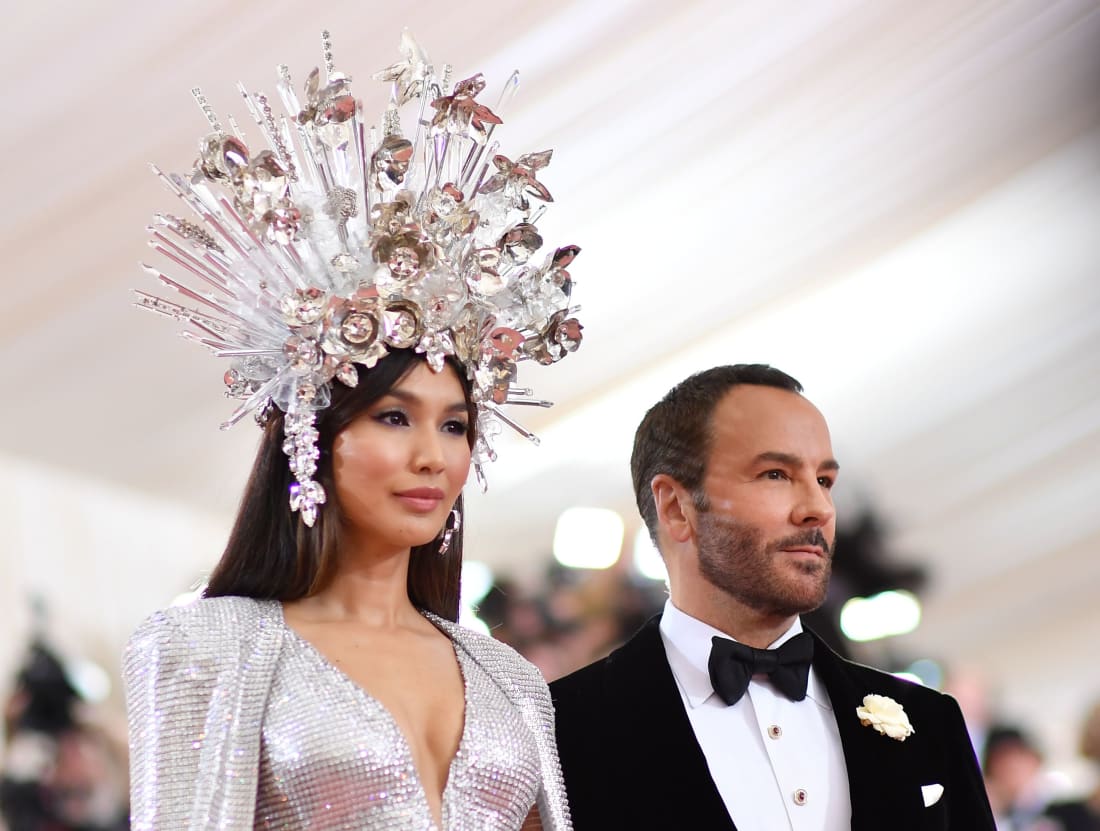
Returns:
<point x="745" y="625"/>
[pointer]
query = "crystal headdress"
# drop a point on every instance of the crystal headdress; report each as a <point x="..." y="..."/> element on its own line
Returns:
<point x="336" y="243"/>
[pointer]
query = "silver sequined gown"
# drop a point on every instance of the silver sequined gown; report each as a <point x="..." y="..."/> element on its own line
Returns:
<point x="237" y="722"/>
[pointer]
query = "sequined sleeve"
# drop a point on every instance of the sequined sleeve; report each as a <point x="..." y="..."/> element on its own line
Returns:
<point x="553" y="805"/>
<point x="527" y="689"/>
<point x="195" y="683"/>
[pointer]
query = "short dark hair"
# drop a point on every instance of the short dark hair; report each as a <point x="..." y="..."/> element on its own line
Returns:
<point x="674" y="436"/>
<point x="273" y="555"/>
<point x="1002" y="738"/>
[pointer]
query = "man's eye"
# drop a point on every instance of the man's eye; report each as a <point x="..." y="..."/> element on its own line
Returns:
<point x="775" y="475"/>
<point x="825" y="482"/>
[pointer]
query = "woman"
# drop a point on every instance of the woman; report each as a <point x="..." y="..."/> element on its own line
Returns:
<point x="323" y="682"/>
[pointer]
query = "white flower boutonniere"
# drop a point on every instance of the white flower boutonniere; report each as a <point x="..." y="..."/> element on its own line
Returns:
<point x="886" y="716"/>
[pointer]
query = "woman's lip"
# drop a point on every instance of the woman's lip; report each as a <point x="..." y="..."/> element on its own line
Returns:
<point x="422" y="493"/>
<point x="421" y="500"/>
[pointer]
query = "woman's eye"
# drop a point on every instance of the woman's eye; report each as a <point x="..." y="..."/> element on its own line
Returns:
<point x="394" y="418"/>
<point x="459" y="428"/>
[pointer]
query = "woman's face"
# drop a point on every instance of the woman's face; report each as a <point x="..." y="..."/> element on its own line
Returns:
<point x="400" y="466"/>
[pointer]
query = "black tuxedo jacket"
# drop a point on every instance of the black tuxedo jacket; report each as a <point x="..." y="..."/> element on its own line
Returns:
<point x="631" y="760"/>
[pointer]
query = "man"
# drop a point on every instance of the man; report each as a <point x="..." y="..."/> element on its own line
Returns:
<point x="681" y="729"/>
<point x="1012" y="766"/>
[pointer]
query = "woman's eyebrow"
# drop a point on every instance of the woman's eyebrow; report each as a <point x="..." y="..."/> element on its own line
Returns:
<point x="407" y="397"/>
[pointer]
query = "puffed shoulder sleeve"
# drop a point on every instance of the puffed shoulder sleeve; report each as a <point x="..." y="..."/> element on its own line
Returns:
<point x="525" y="687"/>
<point x="552" y="802"/>
<point x="196" y="682"/>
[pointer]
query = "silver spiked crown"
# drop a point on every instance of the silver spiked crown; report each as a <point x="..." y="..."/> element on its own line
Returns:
<point x="338" y="242"/>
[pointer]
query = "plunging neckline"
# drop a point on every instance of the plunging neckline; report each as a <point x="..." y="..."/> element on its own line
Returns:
<point x="405" y="745"/>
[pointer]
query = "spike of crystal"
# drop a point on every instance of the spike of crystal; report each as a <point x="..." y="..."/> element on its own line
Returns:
<point x="312" y="256"/>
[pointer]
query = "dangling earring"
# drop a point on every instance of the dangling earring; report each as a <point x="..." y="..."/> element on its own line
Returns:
<point x="454" y="522"/>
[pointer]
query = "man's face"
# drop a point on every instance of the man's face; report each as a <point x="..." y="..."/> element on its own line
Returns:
<point x="766" y="529"/>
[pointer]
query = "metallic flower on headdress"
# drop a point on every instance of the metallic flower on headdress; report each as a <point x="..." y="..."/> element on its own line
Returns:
<point x="518" y="178"/>
<point x="560" y="336"/>
<point x="461" y="114"/>
<point x="408" y="75"/>
<point x="390" y="162"/>
<point x="261" y="185"/>
<point x="329" y="109"/>
<point x="313" y="257"/>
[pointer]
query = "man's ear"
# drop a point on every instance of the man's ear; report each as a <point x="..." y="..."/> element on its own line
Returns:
<point x="675" y="508"/>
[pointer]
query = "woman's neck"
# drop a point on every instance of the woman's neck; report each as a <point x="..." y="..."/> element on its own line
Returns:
<point x="369" y="587"/>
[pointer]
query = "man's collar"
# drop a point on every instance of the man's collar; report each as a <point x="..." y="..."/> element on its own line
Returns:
<point x="687" y="643"/>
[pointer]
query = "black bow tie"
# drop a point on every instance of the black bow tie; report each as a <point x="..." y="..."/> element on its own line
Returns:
<point x="732" y="664"/>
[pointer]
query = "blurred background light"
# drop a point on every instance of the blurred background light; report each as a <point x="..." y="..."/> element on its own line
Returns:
<point x="647" y="559"/>
<point x="189" y="596"/>
<point x="477" y="579"/>
<point x="883" y="615"/>
<point x="588" y="538"/>
<point x="468" y="617"/>
<point x="90" y="679"/>
<point x="928" y="671"/>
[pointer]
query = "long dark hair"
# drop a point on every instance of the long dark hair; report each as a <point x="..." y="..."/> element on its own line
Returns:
<point x="273" y="555"/>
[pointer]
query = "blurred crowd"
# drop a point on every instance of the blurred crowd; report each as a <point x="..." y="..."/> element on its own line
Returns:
<point x="61" y="770"/>
<point x="1023" y="795"/>
<point x="574" y="618"/>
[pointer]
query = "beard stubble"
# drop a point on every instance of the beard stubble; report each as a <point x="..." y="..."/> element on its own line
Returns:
<point x="735" y="558"/>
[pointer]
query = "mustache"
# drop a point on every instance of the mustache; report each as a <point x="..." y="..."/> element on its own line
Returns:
<point x="811" y="537"/>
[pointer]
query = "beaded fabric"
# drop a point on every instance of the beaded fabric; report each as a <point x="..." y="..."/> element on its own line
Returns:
<point x="237" y="722"/>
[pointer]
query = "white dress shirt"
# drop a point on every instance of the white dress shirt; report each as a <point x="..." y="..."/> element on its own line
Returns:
<point x="778" y="764"/>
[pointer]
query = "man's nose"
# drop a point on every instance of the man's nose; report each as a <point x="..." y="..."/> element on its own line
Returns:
<point x="814" y="507"/>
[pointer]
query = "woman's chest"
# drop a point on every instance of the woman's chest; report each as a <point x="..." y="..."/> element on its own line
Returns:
<point x="418" y="682"/>
<point x="332" y="756"/>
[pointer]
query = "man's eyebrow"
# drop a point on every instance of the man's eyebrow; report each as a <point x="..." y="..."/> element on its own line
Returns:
<point x="790" y="460"/>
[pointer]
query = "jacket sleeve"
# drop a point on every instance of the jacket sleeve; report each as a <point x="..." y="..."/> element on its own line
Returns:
<point x="195" y="693"/>
<point x="525" y="687"/>
<point x="968" y="805"/>
<point x="539" y="714"/>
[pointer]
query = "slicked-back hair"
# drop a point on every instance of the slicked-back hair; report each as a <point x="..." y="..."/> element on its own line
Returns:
<point x="674" y="437"/>
<point x="273" y="555"/>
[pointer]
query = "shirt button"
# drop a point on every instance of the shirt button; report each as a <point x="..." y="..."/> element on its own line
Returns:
<point x="799" y="796"/>
<point x="775" y="731"/>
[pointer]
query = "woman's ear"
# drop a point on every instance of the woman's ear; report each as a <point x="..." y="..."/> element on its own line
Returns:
<point x="675" y="508"/>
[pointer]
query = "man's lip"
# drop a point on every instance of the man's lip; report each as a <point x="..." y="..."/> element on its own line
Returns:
<point x="805" y="549"/>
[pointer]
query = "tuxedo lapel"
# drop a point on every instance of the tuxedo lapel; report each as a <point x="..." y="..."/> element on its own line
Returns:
<point x="879" y="782"/>
<point x="664" y="759"/>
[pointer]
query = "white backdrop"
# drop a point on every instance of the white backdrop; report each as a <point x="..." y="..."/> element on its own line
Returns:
<point x="895" y="202"/>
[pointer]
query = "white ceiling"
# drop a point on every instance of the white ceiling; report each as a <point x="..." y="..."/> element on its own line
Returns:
<point x="895" y="202"/>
